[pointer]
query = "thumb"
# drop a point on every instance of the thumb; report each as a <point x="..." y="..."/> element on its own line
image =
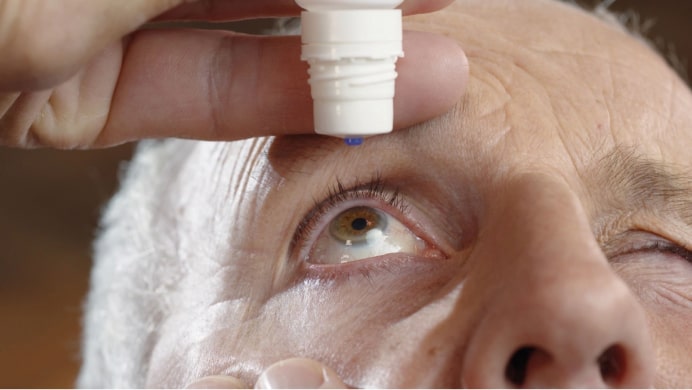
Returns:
<point x="217" y="382"/>
<point x="299" y="373"/>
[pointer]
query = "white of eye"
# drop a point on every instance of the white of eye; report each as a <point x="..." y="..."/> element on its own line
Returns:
<point x="362" y="232"/>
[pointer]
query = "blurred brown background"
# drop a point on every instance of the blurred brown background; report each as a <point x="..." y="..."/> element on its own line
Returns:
<point x="49" y="206"/>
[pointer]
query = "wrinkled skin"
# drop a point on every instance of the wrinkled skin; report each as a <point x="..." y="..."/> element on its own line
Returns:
<point x="549" y="228"/>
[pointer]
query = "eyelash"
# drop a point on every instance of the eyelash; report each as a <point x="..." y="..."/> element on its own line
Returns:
<point x="666" y="247"/>
<point x="653" y="243"/>
<point x="374" y="189"/>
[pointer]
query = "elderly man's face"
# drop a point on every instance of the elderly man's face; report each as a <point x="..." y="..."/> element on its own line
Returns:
<point x="538" y="235"/>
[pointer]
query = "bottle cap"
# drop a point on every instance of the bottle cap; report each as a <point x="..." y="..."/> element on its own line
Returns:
<point x="352" y="56"/>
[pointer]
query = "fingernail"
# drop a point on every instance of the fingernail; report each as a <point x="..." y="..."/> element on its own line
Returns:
<point x="296" y="373"/>
<point x="217" y="382"/>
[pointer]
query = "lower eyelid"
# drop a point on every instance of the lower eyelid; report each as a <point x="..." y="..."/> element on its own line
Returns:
<point x="379" y="234"/>
<point x="394" y="263"/>
<point x="672" y="249"/>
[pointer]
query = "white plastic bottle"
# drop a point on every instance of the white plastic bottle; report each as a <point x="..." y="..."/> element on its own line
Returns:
<point x="352" y="47"/>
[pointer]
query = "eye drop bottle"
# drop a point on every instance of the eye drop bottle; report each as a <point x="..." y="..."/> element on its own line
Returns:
<point x="352" y="47"/>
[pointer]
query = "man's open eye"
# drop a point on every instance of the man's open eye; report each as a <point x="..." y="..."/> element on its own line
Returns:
<point x="362" y="232"/>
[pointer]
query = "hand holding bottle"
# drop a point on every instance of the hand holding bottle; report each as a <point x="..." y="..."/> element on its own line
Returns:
<point x="80" y="75"/>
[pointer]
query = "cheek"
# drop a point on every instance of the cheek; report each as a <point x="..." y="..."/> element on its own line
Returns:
<point x="241" y="340"/>
<point x="663" y="285"/>
<point x="673" y="352"/>
<point x="673" y="358"/>
<point x="366" y="317"/>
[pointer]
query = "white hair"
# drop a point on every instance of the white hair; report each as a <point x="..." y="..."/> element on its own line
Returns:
<point x="134" y="271"/>
<point x="136" y="268"/>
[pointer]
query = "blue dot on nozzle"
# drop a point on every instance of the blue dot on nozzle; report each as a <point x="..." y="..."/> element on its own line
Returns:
<point x="353" y="141"/>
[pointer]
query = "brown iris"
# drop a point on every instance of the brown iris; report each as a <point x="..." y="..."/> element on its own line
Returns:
<point x="353" y="225"/>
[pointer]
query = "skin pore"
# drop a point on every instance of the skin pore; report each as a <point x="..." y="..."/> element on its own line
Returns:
<point x="553" y="203"/>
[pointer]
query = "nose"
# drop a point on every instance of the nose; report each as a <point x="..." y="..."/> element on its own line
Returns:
<point x="554" y="314"/>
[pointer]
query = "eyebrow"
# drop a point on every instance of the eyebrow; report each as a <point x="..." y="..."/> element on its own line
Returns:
<point x="622" y="178"/>
<point x="637" y="182"/>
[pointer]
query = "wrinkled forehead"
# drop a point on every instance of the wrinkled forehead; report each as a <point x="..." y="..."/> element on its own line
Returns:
<point x="551" y="80"/>
<point x="550" y="84"/>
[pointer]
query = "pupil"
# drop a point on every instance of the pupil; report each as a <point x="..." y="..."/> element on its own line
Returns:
<point x="359" y="224"/>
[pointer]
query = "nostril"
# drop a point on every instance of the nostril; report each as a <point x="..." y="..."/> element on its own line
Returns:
<point x="611" y="364"/>
<point x="515" y="372"/>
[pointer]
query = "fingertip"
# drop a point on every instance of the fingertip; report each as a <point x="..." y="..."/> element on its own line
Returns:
<point x="217" y="382"/>
<point x="411" y="7"/>
<point x="432" y="78"/>
<point x="297" y="373"/>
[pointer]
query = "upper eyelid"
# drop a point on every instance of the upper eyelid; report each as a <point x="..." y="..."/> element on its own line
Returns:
<point x="613" y="230"/>
<point x="376" y="187"/>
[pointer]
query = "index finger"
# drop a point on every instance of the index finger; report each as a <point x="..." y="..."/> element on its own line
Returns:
<point x="218" y="10"/>
<point x="45" y="42"/>
<point x="410" y="7"/>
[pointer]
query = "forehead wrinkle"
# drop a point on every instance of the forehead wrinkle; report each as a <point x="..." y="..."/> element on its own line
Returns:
<point x="627" y="179"/>
<point x="300" y="154"/>
<point x="305" y="155"/>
